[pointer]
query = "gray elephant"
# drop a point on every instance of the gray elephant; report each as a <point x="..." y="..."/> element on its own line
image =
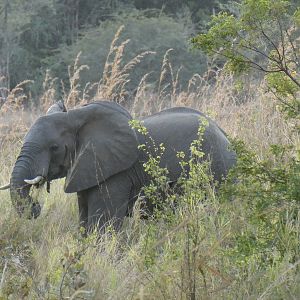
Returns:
<point x="97" y="151"/>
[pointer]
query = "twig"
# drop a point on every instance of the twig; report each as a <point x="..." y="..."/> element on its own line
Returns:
<point x="77" y="293"/>
<point x="3" y="275"/>
<point x="62" y="281"/>
<point x="282" y="45"/>
<point x="286" y="71"/>
<point x="283" y="101"/>
<point x="270" y="41"/>
<point x="292" y="45"/>
<point x="277" y="282"/>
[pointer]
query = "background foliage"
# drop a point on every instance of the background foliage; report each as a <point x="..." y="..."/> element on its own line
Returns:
<point x="37" y="35"/>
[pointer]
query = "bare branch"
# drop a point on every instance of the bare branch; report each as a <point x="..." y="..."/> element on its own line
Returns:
<point x="282" y="44"/>
<point x="293" y="46"/>
<point x="271" y="42"/>
<point x="283" y="101"/>
<point x="257" y="66"/>
<point x="252" y="64"/>
<point x="255" y="49"/>
<point x="286" y="71"/>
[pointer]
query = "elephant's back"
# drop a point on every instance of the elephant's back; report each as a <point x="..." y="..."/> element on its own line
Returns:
<point x="182" y="120"/>
<point x="178" y="127"/>
<point x="179" y="110"/>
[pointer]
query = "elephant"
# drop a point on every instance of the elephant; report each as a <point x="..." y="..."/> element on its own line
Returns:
<point x="97" y="152"/>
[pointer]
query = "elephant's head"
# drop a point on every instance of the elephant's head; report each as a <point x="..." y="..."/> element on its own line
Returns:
<point x="86" y="145"/>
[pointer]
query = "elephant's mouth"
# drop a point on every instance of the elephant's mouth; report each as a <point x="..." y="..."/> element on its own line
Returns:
<point x="40" y="180"/>
<point x="35" y="208"/>
<point x="59" y="173"/>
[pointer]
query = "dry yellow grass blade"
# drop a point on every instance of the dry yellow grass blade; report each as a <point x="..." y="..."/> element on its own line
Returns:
<point x="115" y="77"/>
<point x="74" y="96"/>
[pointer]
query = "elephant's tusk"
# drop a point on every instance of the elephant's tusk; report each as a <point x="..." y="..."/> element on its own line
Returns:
<point x="5" y="187"/>
<point x="36" y="180"/>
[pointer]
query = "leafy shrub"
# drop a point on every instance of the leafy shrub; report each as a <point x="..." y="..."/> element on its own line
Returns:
<point x="263" y="37"/>
<point x="269" y="190"/>
<point x="259" y="202"/>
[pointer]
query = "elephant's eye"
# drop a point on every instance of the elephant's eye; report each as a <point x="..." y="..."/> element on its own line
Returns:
<point x="54" y="148"/>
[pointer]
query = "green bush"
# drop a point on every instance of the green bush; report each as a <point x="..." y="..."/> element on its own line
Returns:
<point x="269" y="188"/>
<point x="269" y="191"/>
<point x="255" y="214"/>
<point x="156" y="34"/>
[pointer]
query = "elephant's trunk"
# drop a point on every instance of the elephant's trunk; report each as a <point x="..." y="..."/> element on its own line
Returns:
<point x="19" y="189"/>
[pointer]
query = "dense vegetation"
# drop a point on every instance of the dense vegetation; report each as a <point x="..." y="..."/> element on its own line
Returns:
<point x="37" y="35"/>
<point x="241" y="242"/>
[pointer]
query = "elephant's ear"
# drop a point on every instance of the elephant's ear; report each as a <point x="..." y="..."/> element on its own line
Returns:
<point x="106" y="145"/>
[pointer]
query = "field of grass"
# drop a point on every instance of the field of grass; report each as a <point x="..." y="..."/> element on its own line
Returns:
<point x="209" y="248"/>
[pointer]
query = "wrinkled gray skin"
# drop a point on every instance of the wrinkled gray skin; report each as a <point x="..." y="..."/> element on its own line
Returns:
<point x="96" y="150"/>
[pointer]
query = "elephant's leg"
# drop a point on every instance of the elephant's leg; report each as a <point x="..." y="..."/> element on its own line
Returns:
<point x="109" y="202"/>
<point x="83" y="210"/>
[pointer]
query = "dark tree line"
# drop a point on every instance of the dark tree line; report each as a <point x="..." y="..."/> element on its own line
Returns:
<point x="33" y="31"/>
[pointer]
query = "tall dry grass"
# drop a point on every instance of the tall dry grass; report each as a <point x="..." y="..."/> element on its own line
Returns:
<point x="47" y="258"/>
<point x="239" y="107"/>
